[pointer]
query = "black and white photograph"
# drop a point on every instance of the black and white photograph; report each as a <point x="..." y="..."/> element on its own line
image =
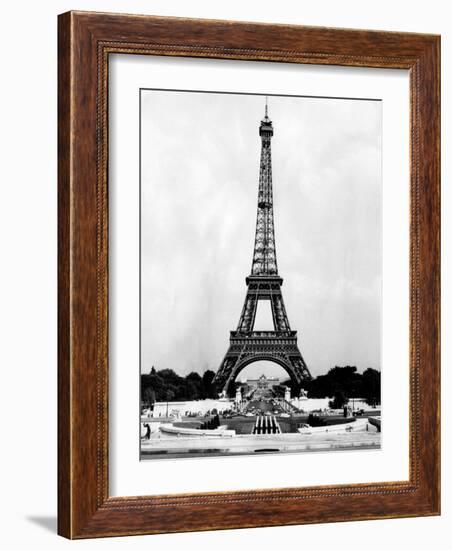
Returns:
<point x="260" y="274"/>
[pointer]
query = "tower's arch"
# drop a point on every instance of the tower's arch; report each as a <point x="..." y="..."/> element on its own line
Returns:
<point x="240" y="366"/>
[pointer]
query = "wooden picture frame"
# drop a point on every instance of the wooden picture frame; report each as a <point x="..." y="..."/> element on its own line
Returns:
<point x="85" y="42"/>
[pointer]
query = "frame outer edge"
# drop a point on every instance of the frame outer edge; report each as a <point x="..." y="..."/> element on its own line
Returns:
<point x="433" y="175"/>
<point x="426" y="235"/>
<point x="64" y="277"/>
<point x="82" y="510"/>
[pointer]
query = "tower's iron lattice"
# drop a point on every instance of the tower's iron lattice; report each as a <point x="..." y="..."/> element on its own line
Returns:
<point x="280" y="344"/>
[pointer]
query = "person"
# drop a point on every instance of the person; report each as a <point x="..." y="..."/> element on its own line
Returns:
<point x="148" y="431"/>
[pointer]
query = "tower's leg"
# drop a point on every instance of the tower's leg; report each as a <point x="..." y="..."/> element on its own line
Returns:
<point x="300" y="369"/>
<point x="280" y="320"/>
<point x="225" y="371"/>
<point x="248" y="315"/>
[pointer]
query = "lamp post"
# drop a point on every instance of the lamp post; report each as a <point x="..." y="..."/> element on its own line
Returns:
<point x="167" y="399"/>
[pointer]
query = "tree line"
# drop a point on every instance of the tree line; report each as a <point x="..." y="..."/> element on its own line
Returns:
<point x="339" y="383"/>
<point x="345" y="383"/>
<point x="166" y="385"/>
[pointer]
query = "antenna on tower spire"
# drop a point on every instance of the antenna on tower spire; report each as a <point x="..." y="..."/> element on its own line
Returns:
<point x="266" y="106"/>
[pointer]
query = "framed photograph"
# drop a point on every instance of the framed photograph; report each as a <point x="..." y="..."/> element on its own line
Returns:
<point x="248" y="275"/>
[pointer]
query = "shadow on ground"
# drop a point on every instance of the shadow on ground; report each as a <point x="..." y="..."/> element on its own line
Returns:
<point x="49" y="523"/>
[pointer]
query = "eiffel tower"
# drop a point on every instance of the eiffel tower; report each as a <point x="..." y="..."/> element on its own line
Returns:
<point x="279" y="345"/>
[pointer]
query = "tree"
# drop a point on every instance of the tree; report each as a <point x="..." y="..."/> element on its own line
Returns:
<point x="339" y="400"/>
<point x="170" y="395"/>
<point x="148" y="396"/>
<point x="192" y="390"/>
<point x="290" y="384"/>
<point x="232" y="388"/>
<point x="372" y="387"/>
<point x="194" y="377"/>
<point x="338" y="379"/>
<point x="169" y="375"/>
<point x="193" y="382"/>
<point x="208" y="377"/>
<point x="209" y="388"/>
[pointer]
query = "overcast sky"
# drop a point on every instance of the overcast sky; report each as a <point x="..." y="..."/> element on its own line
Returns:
<point x="199" y="180"/>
